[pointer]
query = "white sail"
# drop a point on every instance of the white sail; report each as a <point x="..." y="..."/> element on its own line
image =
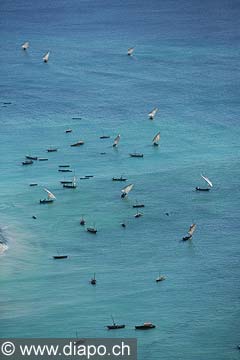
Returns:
<point x="116" y="140"/>
<point x="46" y="56"/>
<point x="74" y="181"/>
<point x="130" y="51"/>
<point x="50" y="195"/>
<point x="207" y="180"/>
<point x="25" y="46"/>
<point x="153" y="113"/>
<point x="156" y="138"/>
<point x="127" y="189"/>
<point x="192" y="229"/>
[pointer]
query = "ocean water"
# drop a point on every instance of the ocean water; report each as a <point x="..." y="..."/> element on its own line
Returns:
<point x="186" y="62"/>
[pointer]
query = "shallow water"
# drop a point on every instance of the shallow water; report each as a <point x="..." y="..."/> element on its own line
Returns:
<point x="186" y="63"/>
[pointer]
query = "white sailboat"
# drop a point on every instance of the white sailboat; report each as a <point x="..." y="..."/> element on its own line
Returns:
<point x="210" y="184"/>
<point x="126" y="190"/>
<point x="25" y="46"/>
<point x="46" y="57"/>
<point x="153" y="113"/>
<point x="156" y="139"/>
<point x="191" y="230"/>
<point x="130" y="51"/>
<point x="50" y="197"/>
<point x="116" y="140"/>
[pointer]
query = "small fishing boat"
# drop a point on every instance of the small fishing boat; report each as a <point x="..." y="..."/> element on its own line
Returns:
<point x="56" y="257"/>
<point x="50" y="198"/>
<point x="33" y="184"/>
<point x="68" y="131"/>
<point x="123" y="224"/>
<point x="76" y="118"/>
<point x="138" y="214"/>
<point x="115" y="326"/>
<point x="152" y="113"/>
<point x="136" y="155"/>
<point x="42" y="159"/>
<point x="93" y="281"/>
<point x="191" y="230"/>
<point x="72" y="185"/>
<point x="160" y="278"/>
<point x="52" y="149"/>
<point x="27" y="162"/>
<point x="130" y="51"/>
<point x="63" y="166"/>
<point x="65" y="170"/>
<point x="145" y="326"/>
<point x="137" y="205"/>
<point x="82" y="221"/>
<point x="156" y="139"/>
<point x="126" y="190"/>
<point x="210" y="184"/>
<point x="92" y="230"/>
<point x="46" y="57"/>
<point x="119" y="179"/>
<point x="78" y="143"/>
<point x="34" y="217"/>
<point x="25" y="46"/>
<point x="31" y="157"/>
<point x="104" y="137"/>
<point x="116" y="140"/>
<point x="66" y="181"/>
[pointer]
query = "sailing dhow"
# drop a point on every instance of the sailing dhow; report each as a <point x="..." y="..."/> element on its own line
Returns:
<point x="71" y="185"/>
<point x="46" y="57"/>
<point x="156" y="139"/>
<point x="126" y="190"/>
<point x="130" y="51"/>
<point x="25" y="46"/>
<point x="50" y="198"/>
<point x="191" y="230"/>
<point x="210" y="184"/>
<point x="116" y="140"/>
<point x="153" y="113"/>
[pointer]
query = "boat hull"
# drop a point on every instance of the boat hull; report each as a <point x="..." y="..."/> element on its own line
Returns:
<point x="46" y="201"/>
<point x="202" y="189"/>
<point x="185" y="238"/>
<point x="57" y="257"/>
<point x="114" y="327"/>
<point x="144" y="327"/>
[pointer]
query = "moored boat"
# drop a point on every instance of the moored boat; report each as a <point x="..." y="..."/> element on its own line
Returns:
<point x="52" y="149"/>
<point x="31" y="157"/>
<point x="119" y="179"/>
<point x="78" y="143"/>
<point x="68" y="131"/>
<point x="27" y="162"/>
<point x="60" y="257"/>
<point x="136" y="155"/>
<point x="93" y="281"/>
<point x="92" y="230"/>
<point x="72" y="185"/>
<point x="115" y="326"/>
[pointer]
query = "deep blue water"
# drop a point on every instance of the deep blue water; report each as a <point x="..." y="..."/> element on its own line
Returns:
<point x="186" y="62"/>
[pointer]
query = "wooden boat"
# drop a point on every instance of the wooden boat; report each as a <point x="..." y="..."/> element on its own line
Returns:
<point x="78" y="143"/>
<point x="138" y="205"/>
<point x="33" y="184"/>
<point x="68" y="131"/>
<point x="31" y="157"/>
<point x="116" y="140"/>
<point x="63" y="166"/>
<point x="93" y="281"/>
<point x="123" y="224"/>
<point x="130" y="51"/>
<point x="57" y="257"/>
<point x="65" y="170"/>
<point x="34" y="217"/>
<point x="50" y="199"/>
<point x="66" y="181"/>
<point x="156" y="139"/>
<point x="104" y="137"/>
<point x="136" y="155"/>
<point x="46" y="57"/>
<point x="42" y="159"/>
<point x="126" y="190"/>
<point x="191" y="230"/>
<point x="52" y="149"/>
<point x="27" y="162"/>
<point x="210" y="184"/>
<point x="25" y="46"/>
<point x="145" y="326"/>
<point x="119" y="179"/>
<point x="72" y="185"/>
<point x="115" y="326"/>
<point x="92" y="230"/>
<point x="152" y="113"/>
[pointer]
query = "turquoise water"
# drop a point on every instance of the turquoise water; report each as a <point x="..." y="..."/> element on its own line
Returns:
<point x="186" y="62"/>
